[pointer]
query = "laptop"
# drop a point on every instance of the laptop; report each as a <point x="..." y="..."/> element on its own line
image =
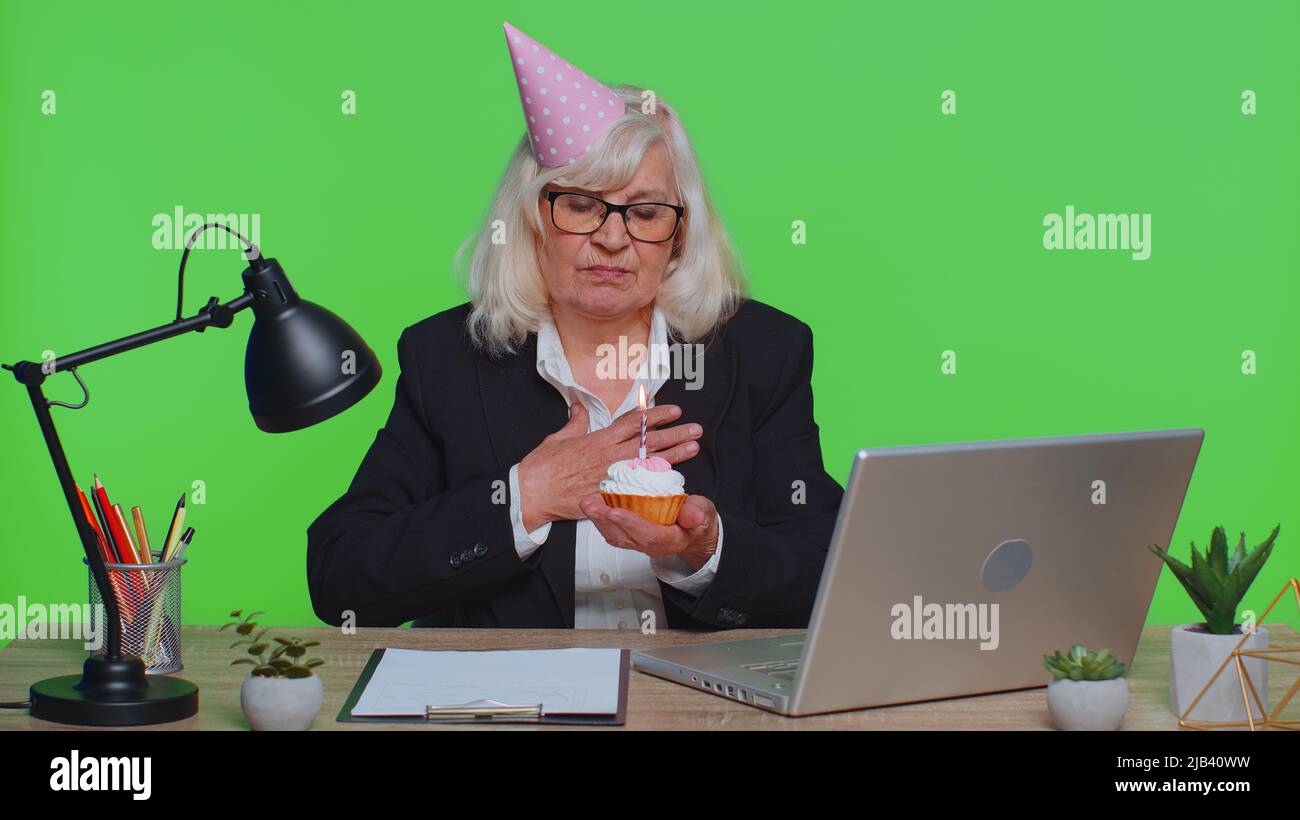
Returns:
<point x="953" y="568"/>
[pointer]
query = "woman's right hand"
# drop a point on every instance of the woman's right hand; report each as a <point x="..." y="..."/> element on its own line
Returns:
<point x="570" y="463"/>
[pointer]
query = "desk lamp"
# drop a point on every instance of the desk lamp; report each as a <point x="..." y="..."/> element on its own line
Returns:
<point x="303" y="365"/>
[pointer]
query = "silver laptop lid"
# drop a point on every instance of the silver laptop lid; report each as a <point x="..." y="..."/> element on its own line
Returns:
<point x="955" y="567"/>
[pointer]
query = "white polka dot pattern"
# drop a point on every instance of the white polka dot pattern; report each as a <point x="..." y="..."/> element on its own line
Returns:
<point x="562" y="129"/>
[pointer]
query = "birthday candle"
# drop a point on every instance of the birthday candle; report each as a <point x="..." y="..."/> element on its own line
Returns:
<point x="641" y="396"/>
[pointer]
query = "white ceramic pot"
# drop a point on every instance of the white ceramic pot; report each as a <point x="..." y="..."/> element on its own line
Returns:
<point x="1195" y="655"/>
<point x="281" y="704"/>
<point x="1088" y="705"/>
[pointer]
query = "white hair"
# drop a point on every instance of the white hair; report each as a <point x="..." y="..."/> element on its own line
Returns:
<point x="702" y="285"/>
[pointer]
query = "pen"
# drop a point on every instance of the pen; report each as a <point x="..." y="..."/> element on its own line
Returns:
<point x="183" y="544"/>
<point x="174" y="530"/>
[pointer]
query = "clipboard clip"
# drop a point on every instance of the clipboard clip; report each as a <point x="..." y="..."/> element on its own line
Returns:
<point x="483" y="710"/>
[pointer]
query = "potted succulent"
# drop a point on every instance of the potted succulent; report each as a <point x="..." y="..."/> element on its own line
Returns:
<point x="1088" y="690"/>
<point x="1216" y="583"/>
<point x="281" y="692"/>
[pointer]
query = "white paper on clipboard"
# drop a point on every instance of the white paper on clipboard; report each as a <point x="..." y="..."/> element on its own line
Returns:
<point x="564" y="681"/>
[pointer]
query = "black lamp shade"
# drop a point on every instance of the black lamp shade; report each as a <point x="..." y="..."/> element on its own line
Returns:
<point x="303" y="363"/>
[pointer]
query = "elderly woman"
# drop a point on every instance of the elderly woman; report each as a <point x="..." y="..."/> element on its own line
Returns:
<point x="478" y="503"/>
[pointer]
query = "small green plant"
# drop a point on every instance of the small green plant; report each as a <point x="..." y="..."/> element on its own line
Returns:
<point x="1080" y="664"/>
<point x="1217" y="582"/>
<point x="287" y="660"/>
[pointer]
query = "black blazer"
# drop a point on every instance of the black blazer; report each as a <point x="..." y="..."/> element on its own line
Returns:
<point x="425" y="525"/>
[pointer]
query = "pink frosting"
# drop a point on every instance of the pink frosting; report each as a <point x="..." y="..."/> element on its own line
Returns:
<point x="654" y="464"/>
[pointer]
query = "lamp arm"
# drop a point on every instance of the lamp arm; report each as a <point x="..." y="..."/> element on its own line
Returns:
<point x="31" y="375"/>
<point x="213" y="314"/>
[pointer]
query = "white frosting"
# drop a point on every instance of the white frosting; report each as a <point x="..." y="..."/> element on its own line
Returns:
<point x="629" y="480"/>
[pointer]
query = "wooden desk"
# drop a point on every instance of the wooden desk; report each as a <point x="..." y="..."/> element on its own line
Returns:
<point x="652" y="703"/>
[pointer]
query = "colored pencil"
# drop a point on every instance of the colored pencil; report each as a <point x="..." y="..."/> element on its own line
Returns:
<point x="118" y="522"/>
<point x="123" y="586"/>
<point x="104" y="551"/>
<point x="100" y="500"/>
<point x="141" y="536"/>
<point x="94" y="524"/>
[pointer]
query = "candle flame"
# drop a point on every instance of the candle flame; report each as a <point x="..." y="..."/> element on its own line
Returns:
<point x="641" y="395"/>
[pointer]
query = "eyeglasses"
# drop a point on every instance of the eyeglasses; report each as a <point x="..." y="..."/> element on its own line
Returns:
<point x="583" y="214"/>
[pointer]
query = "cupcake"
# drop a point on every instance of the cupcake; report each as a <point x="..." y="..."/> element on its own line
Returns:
<point x="649" y="487"/>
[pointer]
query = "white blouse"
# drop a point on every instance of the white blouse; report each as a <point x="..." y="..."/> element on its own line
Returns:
<point x="614" y="588"/>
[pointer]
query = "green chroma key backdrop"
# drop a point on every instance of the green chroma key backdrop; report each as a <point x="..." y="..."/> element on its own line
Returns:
<point x="922" y="146"/>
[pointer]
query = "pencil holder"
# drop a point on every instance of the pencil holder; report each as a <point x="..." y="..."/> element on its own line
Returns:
<point x="149" y="601"/>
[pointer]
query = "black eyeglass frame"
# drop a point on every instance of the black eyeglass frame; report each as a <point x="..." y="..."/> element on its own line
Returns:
<point x="610" y="208"/>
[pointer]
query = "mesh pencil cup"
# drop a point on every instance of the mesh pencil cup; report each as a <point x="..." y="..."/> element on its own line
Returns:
<point x="149" y="601"/>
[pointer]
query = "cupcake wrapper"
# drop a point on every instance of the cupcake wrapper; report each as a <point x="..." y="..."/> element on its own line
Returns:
<point x="657" y="509"/>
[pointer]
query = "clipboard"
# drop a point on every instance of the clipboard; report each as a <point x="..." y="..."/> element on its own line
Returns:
<point x="489" y="712"/>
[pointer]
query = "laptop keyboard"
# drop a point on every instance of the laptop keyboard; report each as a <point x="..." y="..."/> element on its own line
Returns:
<point x="785" y="670"/>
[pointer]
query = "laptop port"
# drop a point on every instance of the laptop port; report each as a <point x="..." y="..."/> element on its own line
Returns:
<point x="731" y="691"/>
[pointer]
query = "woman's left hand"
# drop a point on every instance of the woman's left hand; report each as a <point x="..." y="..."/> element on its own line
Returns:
<point x="694" y="537"/>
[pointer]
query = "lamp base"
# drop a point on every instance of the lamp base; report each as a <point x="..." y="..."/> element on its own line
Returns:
<point x="113" y="693"/>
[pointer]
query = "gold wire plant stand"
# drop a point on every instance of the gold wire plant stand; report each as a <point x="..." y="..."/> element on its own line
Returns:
<point x="1268" y="720"/>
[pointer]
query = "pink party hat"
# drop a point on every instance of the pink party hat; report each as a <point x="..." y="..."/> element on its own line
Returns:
<point x="565" y="111"/>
